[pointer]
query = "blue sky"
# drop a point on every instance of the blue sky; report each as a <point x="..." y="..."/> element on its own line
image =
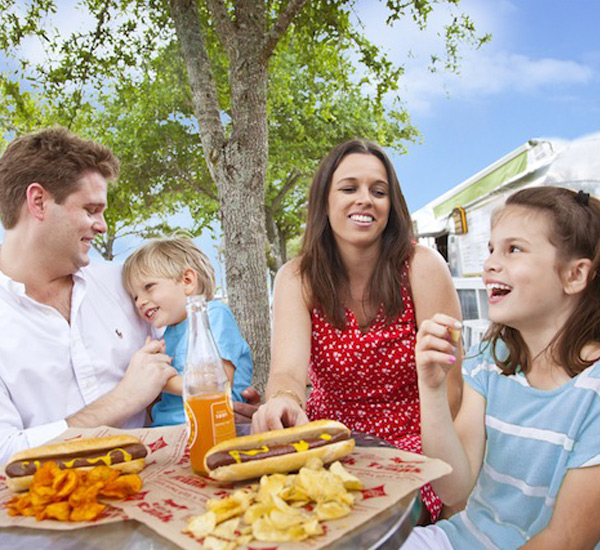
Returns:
<point x="539" y="77"/>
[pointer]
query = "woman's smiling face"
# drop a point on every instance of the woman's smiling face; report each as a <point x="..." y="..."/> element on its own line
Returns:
<point x="359" y="203"/>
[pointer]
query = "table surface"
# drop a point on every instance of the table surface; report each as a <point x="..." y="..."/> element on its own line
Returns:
<point x="386" y="531"/>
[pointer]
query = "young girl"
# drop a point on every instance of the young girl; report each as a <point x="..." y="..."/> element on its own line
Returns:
<point x="159" y="276"/>
<point x="526" y="442"/>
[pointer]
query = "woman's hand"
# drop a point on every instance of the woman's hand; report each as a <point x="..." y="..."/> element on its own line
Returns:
<point x="436" y="349"/>
<point x="278" y="412"/>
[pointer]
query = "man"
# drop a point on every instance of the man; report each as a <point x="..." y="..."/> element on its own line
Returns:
<point x="72" y="350"/>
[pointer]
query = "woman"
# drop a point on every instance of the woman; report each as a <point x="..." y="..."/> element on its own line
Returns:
<point x="348" y="308"/>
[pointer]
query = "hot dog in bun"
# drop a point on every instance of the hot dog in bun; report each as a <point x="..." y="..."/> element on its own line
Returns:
<point x="122" y="452"/>
<point x="278" y="451"/>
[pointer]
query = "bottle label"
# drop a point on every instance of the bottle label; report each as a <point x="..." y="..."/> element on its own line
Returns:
<point x="222" y="420"/>
<point x="192" y="424"/>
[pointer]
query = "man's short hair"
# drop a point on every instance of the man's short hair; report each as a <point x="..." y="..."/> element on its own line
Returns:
<point x="169" y="259"/>
<point x="56" y="159"/>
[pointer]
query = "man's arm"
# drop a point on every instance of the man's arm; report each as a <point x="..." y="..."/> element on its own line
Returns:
<point x="147" y="373"/>
<point x="14" y="437"/>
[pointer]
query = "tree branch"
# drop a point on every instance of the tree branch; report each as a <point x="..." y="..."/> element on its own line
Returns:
<point x="204" y="91"/>
<point x="285" y="189"/>
<point x="279" y="28"/>
<point x="224" y="26"/>
<point x="195" y="184"/>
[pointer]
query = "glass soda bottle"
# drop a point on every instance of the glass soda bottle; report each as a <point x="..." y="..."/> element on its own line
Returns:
<point x="206" y="388"/>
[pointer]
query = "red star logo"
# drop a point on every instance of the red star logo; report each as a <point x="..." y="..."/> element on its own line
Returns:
<point x="158" y="444"/>
<point x="373" y="492"/>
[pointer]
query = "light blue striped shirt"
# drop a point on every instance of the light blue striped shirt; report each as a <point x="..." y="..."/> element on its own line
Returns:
<point x="533" y="437"/>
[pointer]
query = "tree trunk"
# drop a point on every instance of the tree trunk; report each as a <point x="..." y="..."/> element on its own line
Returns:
<point x="238" y="163"/>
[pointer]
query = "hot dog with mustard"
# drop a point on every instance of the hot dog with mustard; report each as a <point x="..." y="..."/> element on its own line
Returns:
<point x="122" y="452"/>
<point x="278" y="451"/>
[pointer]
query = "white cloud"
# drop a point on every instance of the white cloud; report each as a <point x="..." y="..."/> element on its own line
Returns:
<point x="494" y="69"/>
<point x="487" y="75"/>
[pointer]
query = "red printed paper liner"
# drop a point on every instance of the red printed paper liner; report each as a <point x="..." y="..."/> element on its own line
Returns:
<point x="172" y="493"/>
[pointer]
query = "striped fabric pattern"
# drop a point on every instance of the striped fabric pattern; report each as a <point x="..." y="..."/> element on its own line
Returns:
<point x="533" y="438"/>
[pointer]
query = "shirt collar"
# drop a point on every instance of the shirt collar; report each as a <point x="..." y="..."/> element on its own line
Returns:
<point x="14" y="287"/>
<point x="18" y="288"/>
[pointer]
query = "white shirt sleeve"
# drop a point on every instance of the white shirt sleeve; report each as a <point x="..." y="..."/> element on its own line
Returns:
<point x="14" y="438"/>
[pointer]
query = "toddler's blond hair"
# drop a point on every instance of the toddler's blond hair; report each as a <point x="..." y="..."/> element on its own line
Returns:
<point x="170" y="258"/>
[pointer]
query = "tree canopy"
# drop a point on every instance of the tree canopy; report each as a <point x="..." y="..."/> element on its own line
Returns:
<point x="186" y="92"/>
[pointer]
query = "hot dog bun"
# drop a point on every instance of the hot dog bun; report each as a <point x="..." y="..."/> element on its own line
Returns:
<point x="282" y="463"/>
<point x="122" y="452"/>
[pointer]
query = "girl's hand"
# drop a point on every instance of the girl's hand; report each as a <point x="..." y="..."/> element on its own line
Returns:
<point x="278" y="412"/>
<point x="436" y="349"/>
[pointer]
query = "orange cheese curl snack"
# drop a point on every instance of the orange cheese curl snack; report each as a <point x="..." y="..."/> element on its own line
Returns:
<point x="72" y="495"/>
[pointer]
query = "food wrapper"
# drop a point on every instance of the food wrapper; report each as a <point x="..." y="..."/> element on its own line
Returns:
<point x="172" y="493"/>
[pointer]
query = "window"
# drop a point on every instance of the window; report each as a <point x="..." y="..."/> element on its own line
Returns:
<point x="468" y="303"/>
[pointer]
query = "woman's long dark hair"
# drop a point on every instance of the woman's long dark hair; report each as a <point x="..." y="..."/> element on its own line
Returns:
<point x="321" y="266"/>
<point x="575" y="232"/>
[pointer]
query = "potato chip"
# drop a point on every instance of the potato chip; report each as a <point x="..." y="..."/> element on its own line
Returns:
<point x="201" y="526"/>
<point x="102" y="473"/>
<point x="234" y="505"/>
<point x="65" y="483"/>
<point x="58" y="510"/>
<point x="264" y="530"/>
<point x="213" y="543"/>
<point x="42" y="495"/>
<point x="123" y="486"/>
<point x="284" y="520"/>
<point x="295" y="494"/>
<point x="87" y="511"/>
<point x="71" y="495"/>
<point x="274" y="511"/>
<point x="351" y="483"/>
<point x="245" y="539"/>
<point x="84" y="494"/>
<point x="314" y="463"/>
<point x="331" y="510"/>
<point x="321" y="485"/>
<point x="256" y="511"/>
<point x="45" y="474"/>
<point x="270" y="485"/>
<point x="227" y="529"/>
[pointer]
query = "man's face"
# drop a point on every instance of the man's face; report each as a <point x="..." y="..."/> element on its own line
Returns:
<point x="71" y="227"/>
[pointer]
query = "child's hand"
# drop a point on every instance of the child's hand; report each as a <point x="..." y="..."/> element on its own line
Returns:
<point x="163" y="346"/>
<point x="437" y="345"/>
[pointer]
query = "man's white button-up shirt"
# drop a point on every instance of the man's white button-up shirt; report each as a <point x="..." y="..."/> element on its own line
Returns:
<point x="50" y="369"/>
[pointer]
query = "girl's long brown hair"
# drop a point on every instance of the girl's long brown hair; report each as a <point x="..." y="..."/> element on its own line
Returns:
<point x="575" y="232"/>
<point x="321" y="266"/>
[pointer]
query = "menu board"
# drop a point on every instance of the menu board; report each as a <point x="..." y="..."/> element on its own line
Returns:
<point x="473" y="245"/>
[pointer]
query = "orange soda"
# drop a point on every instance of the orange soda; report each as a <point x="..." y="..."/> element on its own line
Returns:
<point x="206" y="388"/>
<point x="210" y="418"/>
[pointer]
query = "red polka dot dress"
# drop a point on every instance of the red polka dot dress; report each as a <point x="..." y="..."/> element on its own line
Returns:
<point x="368" y="380"/>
